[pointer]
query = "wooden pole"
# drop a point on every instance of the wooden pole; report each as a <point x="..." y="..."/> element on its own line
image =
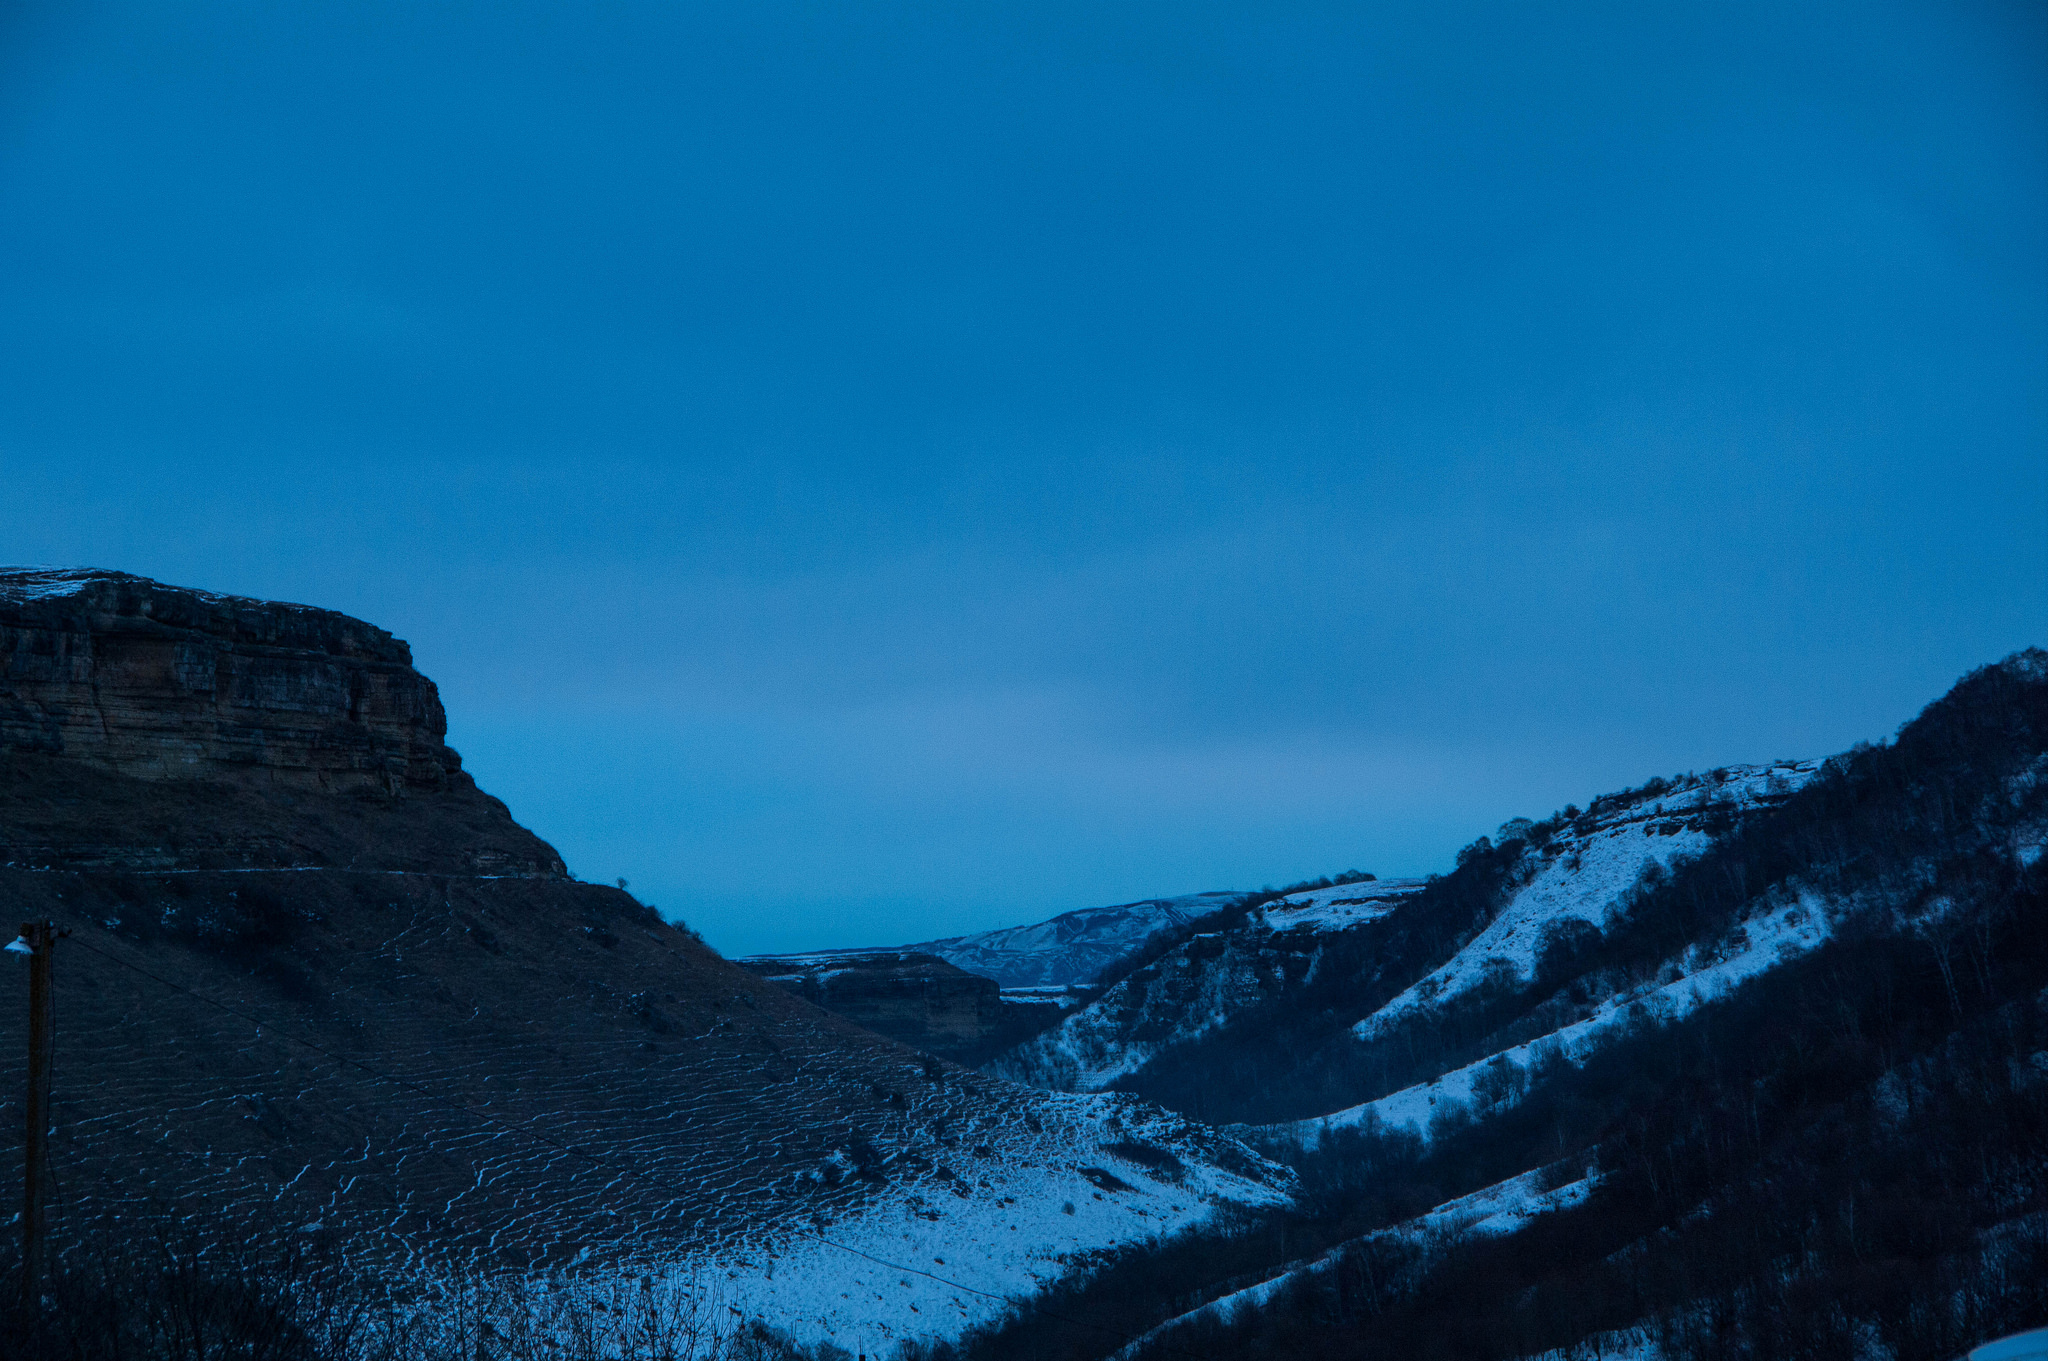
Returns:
<point x="42" y="938"/>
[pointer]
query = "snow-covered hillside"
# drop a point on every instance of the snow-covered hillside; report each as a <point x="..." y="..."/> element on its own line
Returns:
<point x="1571" y="879"/>
<point x="1699" y="975"/>
<point x="1584" y="872"/>
<point x="1196" y="986"/>
<point x="1494" y="1211"/>
<point x="1337" y="908"/>
<point x="1686" y="1065"/>
<point x="1072" y="947"/>
<point x="975" y="1216"/>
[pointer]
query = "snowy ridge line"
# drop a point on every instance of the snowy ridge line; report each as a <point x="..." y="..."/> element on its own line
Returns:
<point x="1586" y="875"/>
<point x="1494" y="1211"/>
<point x="1767" y="941"/>
<point x="1074" y="946"/>
<point x="1323" y="909"/>
<point x="1209" y="979"/>
<point x="578" y="1151"/>
<point x="1037" y="947"/>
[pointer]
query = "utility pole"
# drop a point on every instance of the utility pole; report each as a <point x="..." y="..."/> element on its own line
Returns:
<point x="38" y="941"/>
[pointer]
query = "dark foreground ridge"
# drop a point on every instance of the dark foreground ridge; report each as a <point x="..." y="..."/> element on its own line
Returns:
<point x="255" y="802"/>
<point x="320" y="989"/>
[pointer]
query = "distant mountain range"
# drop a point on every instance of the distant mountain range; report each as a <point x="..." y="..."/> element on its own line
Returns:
<point x="969" y="997"/>
<point x="1073" y="947"/>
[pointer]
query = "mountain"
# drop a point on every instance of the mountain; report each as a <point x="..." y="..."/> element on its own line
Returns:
<point x="1073" y="947"/>
<point x="914" y="998"/>
<point x="1746" y="1063"/>
<point x="1302" y="1007"/>
<point x="1195" y="986"/>
<point x="968" y="998"/>
<point x="318" y="989"/>
<point x="1213" y="1024"/>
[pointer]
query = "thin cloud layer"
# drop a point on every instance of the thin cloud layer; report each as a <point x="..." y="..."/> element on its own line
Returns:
<point x="871" y="473"/>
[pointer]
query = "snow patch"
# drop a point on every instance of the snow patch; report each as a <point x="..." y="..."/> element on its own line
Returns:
<point x="926" y="1260"/>
<point x="1503" y="1208"/>
<point x="1761" y="943"/>
<point x="1341" y="907"/>
<point x="1586" y="875"/>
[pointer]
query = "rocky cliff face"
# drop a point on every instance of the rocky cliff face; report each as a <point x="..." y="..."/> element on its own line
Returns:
<point x="162" y="682"/>
<point x="145" y="726"/>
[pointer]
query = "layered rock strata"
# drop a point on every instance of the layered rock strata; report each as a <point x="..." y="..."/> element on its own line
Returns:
<point x="145" y="726"/>
<point x="163" y="682"/>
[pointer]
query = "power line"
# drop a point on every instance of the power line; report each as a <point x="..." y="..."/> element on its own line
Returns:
<point x="577" y="1151"/>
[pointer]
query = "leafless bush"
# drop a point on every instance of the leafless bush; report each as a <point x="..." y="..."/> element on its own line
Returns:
<point x="649" y="1318"/>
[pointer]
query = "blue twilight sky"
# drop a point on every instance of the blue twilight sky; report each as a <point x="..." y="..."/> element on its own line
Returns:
<point x="866" y="471"/>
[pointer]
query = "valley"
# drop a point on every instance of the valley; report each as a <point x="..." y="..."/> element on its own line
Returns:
<point x="1757" y="1053"/>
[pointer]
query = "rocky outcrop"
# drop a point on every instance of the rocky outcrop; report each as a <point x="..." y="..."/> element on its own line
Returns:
<point x="145" y="726"/>
<point x="916" y="999"/>
<point x="163" y="682"/>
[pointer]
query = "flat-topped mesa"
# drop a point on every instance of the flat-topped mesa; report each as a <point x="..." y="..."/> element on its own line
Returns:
<point x="154" y="727"/>
<point x="164" y="682"/>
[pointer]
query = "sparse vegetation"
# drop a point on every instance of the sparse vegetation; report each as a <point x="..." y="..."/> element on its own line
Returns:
<point x="1225" y="918"/>
<point x="1844" y="1158"/>
<point x="160" y="1293"/>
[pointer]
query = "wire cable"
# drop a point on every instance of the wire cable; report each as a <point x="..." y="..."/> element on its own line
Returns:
<point x="574" y="1150"/>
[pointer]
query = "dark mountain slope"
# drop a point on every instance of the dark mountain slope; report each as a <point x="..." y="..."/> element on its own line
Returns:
<point x="916" y="999"/>
<point x="1839" y="1152"/>
<point x="319" y="988"/>
<point x="1321" y="1000"/>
